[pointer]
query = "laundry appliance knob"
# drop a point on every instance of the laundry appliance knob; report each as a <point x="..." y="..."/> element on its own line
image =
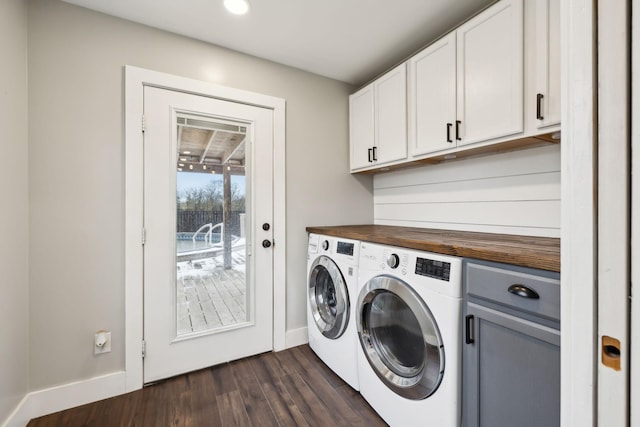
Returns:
<point x="393" y="260"/>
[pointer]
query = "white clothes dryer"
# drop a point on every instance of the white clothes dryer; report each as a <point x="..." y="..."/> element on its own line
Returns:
<point x="409" y="328"/>
<point x="332" y="280"/>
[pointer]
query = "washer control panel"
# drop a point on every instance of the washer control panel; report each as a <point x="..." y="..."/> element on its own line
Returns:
<point x="435" y="269"/>
<point x="345" y="248"/>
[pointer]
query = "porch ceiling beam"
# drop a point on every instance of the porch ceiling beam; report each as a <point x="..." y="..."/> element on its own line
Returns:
<point x="204" y="153"/>
<point x="232" y="150"/>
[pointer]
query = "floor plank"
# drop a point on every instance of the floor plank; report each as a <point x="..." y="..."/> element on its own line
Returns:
<point x="291" y="388"/>
<point x="256" y="404"/>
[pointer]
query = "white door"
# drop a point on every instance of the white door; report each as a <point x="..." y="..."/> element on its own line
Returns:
<point x="208" y="278"/>
<point x="614" y="188"/>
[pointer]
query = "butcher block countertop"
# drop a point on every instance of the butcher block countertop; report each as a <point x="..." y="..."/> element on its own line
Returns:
<point x="526" y="251"/>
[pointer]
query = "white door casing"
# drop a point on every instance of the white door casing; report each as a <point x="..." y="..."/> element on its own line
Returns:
<point x="135" y="81"/>
<point x="634" y="339"/>
<point x="613" y="214"/>
<point x="168" y="352"/>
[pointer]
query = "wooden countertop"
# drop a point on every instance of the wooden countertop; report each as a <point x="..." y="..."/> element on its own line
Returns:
<point x="526" y="251"/>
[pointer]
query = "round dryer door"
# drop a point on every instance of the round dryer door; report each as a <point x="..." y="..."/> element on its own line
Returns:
<point x="400" y="337"/>
<point x="328" y="297"/>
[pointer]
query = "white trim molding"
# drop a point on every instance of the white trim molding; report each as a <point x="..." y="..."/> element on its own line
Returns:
<point x="135" y="80"/>
<point x="578" y="217"/>
<point x="296" y="337"/>
<point x="634" y="398"/>
<point x="614" y="177"/>
<point x="59" y="398"/>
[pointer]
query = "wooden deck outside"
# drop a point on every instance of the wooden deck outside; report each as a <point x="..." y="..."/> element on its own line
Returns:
<point x="209" y="296"/>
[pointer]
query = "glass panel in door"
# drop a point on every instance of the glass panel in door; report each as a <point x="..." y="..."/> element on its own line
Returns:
<point x="211" y="285"/>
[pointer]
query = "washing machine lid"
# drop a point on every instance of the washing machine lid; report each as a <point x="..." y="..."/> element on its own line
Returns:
<point x="328" y="297"/>
<point x="400" y="337"/>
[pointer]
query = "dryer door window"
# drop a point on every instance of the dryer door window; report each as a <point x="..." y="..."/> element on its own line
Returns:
<point x="400" y="337"/>
<point x="328" y="297"/>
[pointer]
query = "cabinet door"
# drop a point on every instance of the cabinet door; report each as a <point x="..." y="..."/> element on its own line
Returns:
<point x="490" y="73"/>
<point x="432" y="97"/>
<point x="511" y="372"/>
<point x="361" y="137"/>
<point x="391" y="116"/>
<point x="547" y="53"/>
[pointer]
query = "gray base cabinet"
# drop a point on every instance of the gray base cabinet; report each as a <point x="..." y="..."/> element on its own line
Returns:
<point x="511" y="348"/>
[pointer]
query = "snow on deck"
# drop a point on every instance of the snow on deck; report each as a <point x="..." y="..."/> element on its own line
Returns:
<point x="209" y="296"/>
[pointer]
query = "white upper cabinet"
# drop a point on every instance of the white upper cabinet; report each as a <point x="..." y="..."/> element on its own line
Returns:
<point x="432" y="97"/>
<point x="468" y="86"/>
<point x="547" y="55"/>
<point x="378" y="121"/>
<point x="361" y="118"/>
<point x="491" y="84"/>
<point x="391" y="116"/>
<point x="490" y="53"/>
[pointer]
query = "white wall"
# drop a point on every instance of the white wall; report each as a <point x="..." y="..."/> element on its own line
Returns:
<point x="513" y="193"/>
<point x="13" y="215"/>
<point x="77" y="172"/>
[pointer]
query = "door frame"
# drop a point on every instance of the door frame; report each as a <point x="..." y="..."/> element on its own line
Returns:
<point x="578" y="252"/>
<point x="135" y="79"/>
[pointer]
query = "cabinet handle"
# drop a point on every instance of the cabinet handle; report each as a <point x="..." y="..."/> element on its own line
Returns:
<point x="458" y="130"/>
<point x="449" y="132"/>
<point x="539" y="115"/>
<point x="523" y="291"/>
<point x="375" y="154"/>
<point x="369" y="152"/>
<point x="468" y="330"/>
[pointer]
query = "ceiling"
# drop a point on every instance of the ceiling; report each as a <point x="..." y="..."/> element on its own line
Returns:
<point x="348" y="40"/>
<point x="207" y="145"/>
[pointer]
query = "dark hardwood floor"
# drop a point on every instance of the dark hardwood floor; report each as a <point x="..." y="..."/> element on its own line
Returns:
<point x="288" y="388"/>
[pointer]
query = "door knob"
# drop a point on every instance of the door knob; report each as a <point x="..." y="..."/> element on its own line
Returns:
<point x="266" y="243"/>
<point x="266" y="226"/>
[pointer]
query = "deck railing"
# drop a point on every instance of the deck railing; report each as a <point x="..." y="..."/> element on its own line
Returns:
<point x="188" y="221"/>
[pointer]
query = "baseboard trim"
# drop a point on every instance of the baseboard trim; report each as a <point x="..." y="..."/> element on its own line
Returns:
<point x="59" y="398"/>
<point x="296" y="337"/>
<point x="19" y="417"/>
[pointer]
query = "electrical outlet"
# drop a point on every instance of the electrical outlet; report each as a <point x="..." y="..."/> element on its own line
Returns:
<point x="102" y="342"/>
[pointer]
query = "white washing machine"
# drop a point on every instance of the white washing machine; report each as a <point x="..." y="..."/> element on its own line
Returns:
<point x="409" y="329"/>
<point x="332" y="286"/>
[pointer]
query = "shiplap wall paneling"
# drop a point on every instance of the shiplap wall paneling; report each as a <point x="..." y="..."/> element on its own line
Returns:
<point x="515" y="193"/>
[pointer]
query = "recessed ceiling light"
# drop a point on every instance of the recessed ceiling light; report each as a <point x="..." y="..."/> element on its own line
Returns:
<point x="237" y="7"/>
